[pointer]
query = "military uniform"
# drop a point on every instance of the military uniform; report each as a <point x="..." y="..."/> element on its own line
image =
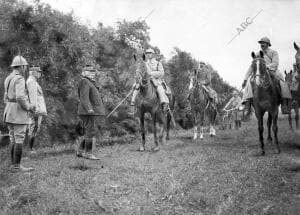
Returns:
<point x="272" y="61"/>
<point x="204" y="75"/>
<point x="156" y="72"/>
<point x="36" y="97"/>
<point x="16" y="112"/>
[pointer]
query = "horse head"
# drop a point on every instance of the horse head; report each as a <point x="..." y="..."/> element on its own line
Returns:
<point x="297" y="57"/>
<point x="260" y="72"/>
<point x="141" y="74"/>
<point x="288" y="77"/>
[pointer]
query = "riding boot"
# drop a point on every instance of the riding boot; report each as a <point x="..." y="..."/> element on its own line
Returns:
<point x="12" y="149"/>
<point x="17" y="156"/>
<point x="81" y="148"/>
<point x="31" y="143"/>
<point x="248" y="110"/>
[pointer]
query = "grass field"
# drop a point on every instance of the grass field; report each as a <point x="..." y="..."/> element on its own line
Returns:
<point x="220" y="175"/>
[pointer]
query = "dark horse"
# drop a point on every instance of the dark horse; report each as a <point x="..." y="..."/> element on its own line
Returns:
<point x="148" y="102"/>
<point x="266" y="98"/>
<point x="201" y="106"/>
<point x="292" y="81"/>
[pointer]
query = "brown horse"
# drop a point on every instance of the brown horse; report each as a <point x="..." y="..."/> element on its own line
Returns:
<point x="148" y="102"/>
<point x="293" y="84"/>
<point x="266" y="98"/>
<point x="201" y="106"/>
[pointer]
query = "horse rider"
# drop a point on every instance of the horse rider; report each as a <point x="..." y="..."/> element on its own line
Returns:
<point x="204" y="75"/>
<point x="156" y="72"/>
<point x="16" y="112"/>
<point x="272" y="61"/>
<point x="90" y="110"/>
<point x="36" y="97"/>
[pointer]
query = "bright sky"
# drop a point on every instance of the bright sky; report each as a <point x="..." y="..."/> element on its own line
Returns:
<point x="204" y="27"/>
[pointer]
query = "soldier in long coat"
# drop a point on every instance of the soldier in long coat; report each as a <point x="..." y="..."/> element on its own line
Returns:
<point x="16" y="112"/>
<point x="90" y="110"/>
<point x="36" y="97"/>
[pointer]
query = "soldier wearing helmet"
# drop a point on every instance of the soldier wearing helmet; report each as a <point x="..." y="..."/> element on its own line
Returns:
<point x="37" y="99"/>
<point x="156" y="72"/>
<point x="16" y="112"/>
<point x="272" y="60"/>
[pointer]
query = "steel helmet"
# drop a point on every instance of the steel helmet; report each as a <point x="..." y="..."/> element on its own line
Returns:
<point x="265" y="40"/>
<point x="150" y="51"/>
<point x="19" y="61"/>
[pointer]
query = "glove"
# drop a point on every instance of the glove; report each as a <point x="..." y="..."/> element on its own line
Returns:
<point x="244" y="84"/>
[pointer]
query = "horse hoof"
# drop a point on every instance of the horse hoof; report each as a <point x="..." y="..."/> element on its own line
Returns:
<point x="263" y="153"/>
<point x="156" y="149"/>
<point x="141" y="149"/>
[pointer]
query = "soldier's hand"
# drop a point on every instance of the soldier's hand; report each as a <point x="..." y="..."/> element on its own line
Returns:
<point x="32" y="108"/>
<point x="244" y="84"/>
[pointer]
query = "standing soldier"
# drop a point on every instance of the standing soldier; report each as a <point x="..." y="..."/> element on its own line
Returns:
<point x="272" y="62"/>
<point x="234" y="105"/>
<point x="156" y="72"/>
<point x="36" y="98"/>
<point x="90" y="110"/>
<point x="16" y="112"/>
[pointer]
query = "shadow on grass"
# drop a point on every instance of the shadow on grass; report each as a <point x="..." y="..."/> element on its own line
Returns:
<point x="43" y="154"/>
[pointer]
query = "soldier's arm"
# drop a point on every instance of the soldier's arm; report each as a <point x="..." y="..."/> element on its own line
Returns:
<point x="275" y="62"/>
<point x="21" y="96"/>
<point x="84" y="89"/>
<point x="159" y="73"/>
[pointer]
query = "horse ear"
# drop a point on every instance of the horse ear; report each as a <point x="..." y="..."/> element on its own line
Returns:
<point x="134" y="57"/>
<point x="285" y="72"/>
<point x="195" y="71"/>
<point x="144" y="57"/>
<point x="261" y="54"/>
<point x="291" y="71"/>
<point x="253" y="55"/>
<point x="296" y="46"/>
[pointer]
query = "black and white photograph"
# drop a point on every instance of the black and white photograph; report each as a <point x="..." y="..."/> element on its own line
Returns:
<point x="149" y="107"/>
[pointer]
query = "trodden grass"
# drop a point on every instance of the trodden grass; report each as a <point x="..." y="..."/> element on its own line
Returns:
<point x="220" y="175"/>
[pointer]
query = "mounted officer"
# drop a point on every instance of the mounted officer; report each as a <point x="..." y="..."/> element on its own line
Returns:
<point x="272" y="60"/>
<point x="90" y="110"/>
<point x="204" y="75"/>
<point x="156" y="72"/>
<point x="16" y="112"/>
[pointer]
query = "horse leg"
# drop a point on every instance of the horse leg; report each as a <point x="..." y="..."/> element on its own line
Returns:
<point x="142" y="124"/>
<point x="297" y="117"/>
<point x="261" y="133"/>
<point x="163" y="130"/>
<point x="269" y="123"/>
<point x="195" y="127"/>
<point x="275" y="130"/>
<point x="168" y="126"/>
<point x="290" y="120"/>
<point x="155" y="128"/>
<point x="201" y="132"/>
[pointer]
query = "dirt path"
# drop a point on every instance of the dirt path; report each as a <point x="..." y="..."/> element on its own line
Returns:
<point x="221" y="175"/>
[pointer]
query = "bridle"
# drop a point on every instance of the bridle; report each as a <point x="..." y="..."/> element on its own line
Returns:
<point x="261" y="77"/>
